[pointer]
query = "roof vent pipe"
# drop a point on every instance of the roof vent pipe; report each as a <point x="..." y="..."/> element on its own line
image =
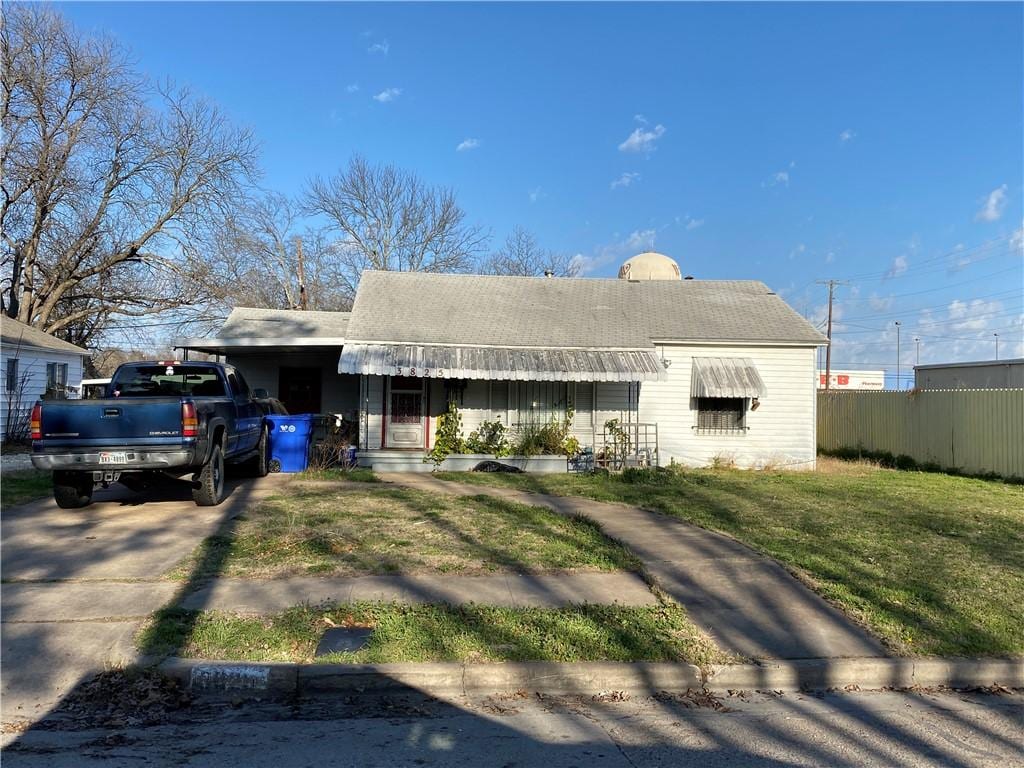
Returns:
<point x="688" y="277"/>
<point x="549" y="273"/>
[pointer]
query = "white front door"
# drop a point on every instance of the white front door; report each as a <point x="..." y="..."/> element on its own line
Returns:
<point x="405" y="412"/>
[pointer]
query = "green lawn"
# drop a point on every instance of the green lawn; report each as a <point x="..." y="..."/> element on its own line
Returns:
<point x="932" y="563"/>
<point x="438" y="633"/>
<point x="24" y="485"/>
<point x="337" y="528"/>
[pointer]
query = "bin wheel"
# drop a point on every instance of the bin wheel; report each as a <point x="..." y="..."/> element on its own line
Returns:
<point x="275" y="465"/>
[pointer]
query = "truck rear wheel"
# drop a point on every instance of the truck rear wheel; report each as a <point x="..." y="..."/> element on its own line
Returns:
<point x="210" y="491"/>
<point x="259" y="465"/>
<point x="72" y="490"/>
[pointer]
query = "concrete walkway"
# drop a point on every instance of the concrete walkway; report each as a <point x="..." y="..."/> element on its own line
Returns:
<point x="266" y="596"/>
<point x="748" y="603"/>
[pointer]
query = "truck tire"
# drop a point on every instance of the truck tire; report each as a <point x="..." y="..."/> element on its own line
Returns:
<point x="210" y="491"/>
<point x="72" y="490"/>
<point x="259" y="465"/>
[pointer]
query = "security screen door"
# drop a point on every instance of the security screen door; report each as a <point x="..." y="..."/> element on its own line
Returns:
<point x="405" y="412"/>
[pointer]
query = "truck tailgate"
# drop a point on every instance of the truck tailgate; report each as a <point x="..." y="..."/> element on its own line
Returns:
<point x="112" y="421"/>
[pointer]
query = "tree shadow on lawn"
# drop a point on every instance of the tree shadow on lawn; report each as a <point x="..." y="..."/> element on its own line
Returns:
<point x="907" y="574"/>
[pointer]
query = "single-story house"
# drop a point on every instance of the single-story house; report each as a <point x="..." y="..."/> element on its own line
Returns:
<point x="34" y="364"/>
<point x="695" y="371"/>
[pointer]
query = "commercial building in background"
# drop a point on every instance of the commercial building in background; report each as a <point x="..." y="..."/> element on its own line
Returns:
<point x="984" y="374"/>
<point x="853" y="380"/>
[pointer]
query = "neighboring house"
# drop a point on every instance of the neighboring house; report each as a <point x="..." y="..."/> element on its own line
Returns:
<point x="985" y="374"/>
<point x="710" y="370"/>
<point x="34" y="364"/>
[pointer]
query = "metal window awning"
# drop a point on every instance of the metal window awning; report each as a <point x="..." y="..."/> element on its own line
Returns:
<point x="501" y="363"/>
<point x="726" y="377"/>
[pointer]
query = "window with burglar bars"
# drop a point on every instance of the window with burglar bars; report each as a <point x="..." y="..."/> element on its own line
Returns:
<point x="721" y="414"/>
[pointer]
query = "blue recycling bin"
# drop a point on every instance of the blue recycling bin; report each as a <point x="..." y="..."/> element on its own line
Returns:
<point x="290" y="437"/>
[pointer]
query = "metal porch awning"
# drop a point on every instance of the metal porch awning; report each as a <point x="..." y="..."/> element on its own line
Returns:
<point x="501" y="363"/>
<point x="726" y="377"/>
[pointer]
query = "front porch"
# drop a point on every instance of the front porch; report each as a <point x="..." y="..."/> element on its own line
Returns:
<point x="399" y="418"/>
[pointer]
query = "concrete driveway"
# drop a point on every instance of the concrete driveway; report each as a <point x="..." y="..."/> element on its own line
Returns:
<point x="77" y="584"/>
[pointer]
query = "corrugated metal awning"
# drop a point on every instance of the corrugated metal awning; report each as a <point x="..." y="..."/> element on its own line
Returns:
<point x="726" y="377"/>
<point x="501" y="363"/>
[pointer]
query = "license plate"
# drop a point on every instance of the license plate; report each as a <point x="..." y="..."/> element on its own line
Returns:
<point x="119" y="457"/>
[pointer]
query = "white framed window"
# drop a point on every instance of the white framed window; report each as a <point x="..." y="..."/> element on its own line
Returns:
<point x="57" y="378"/>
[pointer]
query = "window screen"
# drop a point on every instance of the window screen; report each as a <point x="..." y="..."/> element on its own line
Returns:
<point x="721" y="414"/>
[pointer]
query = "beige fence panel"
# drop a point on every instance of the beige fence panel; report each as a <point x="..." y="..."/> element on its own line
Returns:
<point x="973" y="430"/>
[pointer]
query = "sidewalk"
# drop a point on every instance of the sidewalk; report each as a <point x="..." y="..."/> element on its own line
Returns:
<point x="749" y="604"/>
<point x="266" y="596"/>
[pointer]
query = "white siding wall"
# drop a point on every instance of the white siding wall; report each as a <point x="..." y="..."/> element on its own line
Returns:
<point x="32" y="370"/>
<point x="781" y="431"/>
<point x="372" y="411"/>
<point x="339" y="392"/>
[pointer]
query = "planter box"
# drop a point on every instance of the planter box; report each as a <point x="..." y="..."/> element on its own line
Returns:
<point x="412" y="461"/>
<point x="464" y="462"/>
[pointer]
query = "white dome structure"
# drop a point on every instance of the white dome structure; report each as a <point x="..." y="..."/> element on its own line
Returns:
<point x="650" y="266"/>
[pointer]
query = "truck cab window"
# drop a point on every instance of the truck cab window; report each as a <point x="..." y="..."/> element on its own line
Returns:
<point x="166" y="381"/>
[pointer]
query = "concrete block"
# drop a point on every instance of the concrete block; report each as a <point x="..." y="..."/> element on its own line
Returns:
<point x="966" y="673"/>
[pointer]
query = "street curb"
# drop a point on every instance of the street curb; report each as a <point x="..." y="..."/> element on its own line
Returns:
<point x="277" y="680"/>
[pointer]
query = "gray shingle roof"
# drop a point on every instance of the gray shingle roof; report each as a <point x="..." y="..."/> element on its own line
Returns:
<point x="14" y="333"/>
<point x="252" y="322"/>
<point x="467" y="310"/>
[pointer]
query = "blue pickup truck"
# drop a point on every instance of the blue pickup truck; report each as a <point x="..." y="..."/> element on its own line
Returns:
<point x="167" y="418"/>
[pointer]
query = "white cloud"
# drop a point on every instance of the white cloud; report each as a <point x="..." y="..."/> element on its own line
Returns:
<point x="388" y="94"/>
<point x="780" y="178"/>
<point x="800" y="248"/>
<point x="643" y="139"/>
<point x="692" y="223"/>
<point x="1017" y="239"/>
<point x="467" y="144"/>
<point x="626" y="179"/>
<point x="847" y="135"/>
<point x="994" y="205"/>
<point x="830" y="257"/>
<point x="640" y="119"/>
<point x="898" y="267"/>
<point x="537" y="193"/>
<point x="616" y="251"/>
<point x="382" y="47"/>
<point x="352" y="88"/>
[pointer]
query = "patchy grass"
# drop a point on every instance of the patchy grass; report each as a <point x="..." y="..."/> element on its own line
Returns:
<point x="354" y="475"/>
<point x="408" y="633"/>
<point x="24" y="485"/>
<point x="322" y="528"/>
<point x="932" y="563"/>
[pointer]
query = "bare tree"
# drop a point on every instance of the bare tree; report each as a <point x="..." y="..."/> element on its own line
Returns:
<point x="108" y="202"/>
<point x="521" y="255"/>
<point x="258" y="259"/>
<point x="388" y="219"/>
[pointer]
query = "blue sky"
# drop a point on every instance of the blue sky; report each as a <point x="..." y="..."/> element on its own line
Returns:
<point x="781" y="142"/>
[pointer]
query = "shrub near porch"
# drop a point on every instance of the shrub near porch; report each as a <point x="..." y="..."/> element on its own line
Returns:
<point x="337" y="528"/>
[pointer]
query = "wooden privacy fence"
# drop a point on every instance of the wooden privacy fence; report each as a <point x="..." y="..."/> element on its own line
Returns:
<point x="976" y="431"/>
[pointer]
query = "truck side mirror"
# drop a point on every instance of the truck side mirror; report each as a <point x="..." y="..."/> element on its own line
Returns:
<point x="260" y="393"/>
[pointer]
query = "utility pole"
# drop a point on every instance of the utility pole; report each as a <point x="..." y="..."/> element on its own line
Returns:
<point x="303" y="302"/>
<point x="997" y="345"/>
<point x="898" y="324"/>
<point x="917" y="357"/>
<point x="828" y="350"/>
